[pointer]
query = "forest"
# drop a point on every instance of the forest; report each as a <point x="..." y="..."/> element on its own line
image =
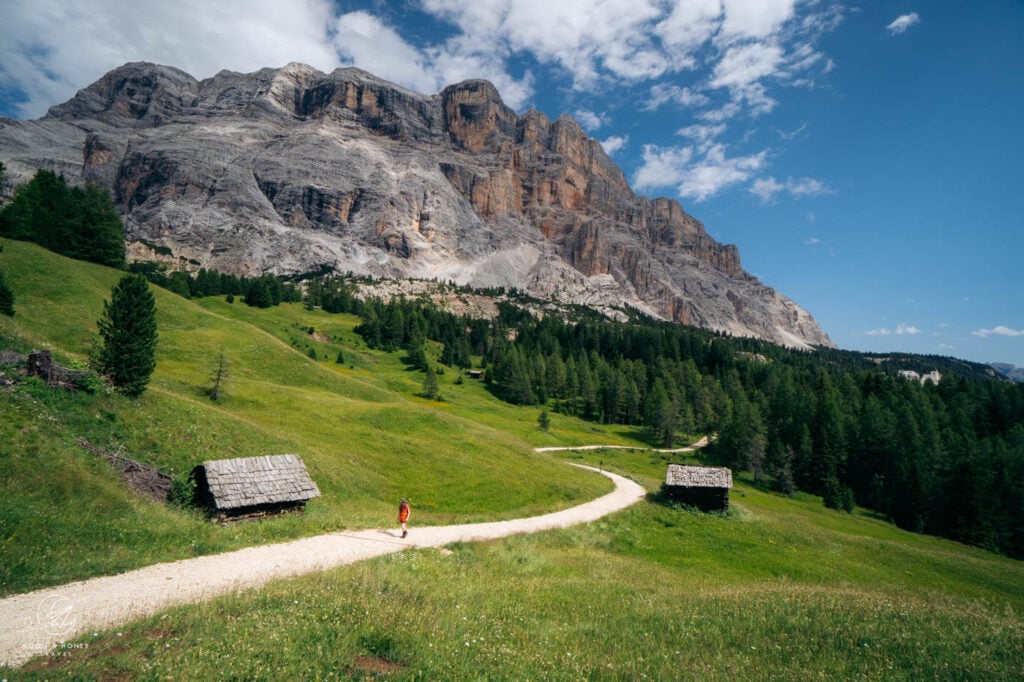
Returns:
<point x="945" y="459"/>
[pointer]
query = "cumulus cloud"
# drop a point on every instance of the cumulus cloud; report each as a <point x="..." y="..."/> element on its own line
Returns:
<point x="50" y="50"/>
<point x="720" y="59"/>
<point x="585" y="37"/>
<point x="998" y="331"/>
<point x="364" y="40"/>
<point x="588" y="120"/>
<point x="663" y="167"/>
<point x="745" y="64"/>
<point x="755" y="18"/>
<point x="902" y="23"/>
<point x="614" y="144"/>
<point x="695" y="175"/>
<point x="900" y="330"/>
<point x="767" y="188"/>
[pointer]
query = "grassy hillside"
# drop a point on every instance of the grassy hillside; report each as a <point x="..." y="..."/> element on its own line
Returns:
<point x="363" y="434"/>
<point x="780" y="588"/>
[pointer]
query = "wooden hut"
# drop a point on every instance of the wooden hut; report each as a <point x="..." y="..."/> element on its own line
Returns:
<point x="254" y="486"/>
<point x="706" y="488"/>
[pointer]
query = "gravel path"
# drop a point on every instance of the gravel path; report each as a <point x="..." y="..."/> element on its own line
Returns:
<point x="38" y="622"/>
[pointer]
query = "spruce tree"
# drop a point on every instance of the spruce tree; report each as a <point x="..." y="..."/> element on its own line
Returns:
<point x="6" y="297"/>
<point x="79" y="222"/>
<point x="128" y="331"/>
<point x="430" y="388"/>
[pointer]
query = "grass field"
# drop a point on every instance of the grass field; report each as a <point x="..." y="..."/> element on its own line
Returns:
<point x="779" y="588"/>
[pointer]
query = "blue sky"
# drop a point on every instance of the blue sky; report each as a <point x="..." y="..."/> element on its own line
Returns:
<point x="864" y="156"/>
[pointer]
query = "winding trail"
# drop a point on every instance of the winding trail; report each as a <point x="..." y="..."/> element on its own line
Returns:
<point x="40" y="621"/>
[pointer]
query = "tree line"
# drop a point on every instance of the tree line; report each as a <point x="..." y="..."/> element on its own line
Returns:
<point x="944" y="459"/>
<point x="77" y="222"/>
<point x="262" y="291"/>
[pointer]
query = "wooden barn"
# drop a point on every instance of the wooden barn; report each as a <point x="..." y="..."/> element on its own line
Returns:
<point x="706" y="488"/>
<point x="253" y="486"/>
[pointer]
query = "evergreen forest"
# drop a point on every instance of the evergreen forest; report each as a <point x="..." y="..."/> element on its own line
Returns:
<point x="945" y="459"/>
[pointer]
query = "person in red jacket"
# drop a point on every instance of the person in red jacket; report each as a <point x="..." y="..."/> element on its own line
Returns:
<point x="403" y="515"/>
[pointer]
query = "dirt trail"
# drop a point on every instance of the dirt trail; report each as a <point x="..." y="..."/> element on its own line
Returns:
<point x="689" y="448"/>
<point x="41" y="621"/>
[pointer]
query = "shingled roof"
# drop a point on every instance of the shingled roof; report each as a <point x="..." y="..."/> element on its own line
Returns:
<point x="254" y="481"/>
<point x="698" y="477"/>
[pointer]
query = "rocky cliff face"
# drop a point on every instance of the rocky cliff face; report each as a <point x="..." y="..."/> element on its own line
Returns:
<point x="286" y="170"/>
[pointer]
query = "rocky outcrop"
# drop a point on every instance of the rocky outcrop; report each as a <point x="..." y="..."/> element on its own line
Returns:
<point x="291" y="169"/>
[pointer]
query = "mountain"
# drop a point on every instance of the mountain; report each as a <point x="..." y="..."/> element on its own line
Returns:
<point x="290" y="170"/>
<point x="1009" y="371"/>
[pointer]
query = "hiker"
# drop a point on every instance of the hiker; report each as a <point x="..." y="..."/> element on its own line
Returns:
<point x="403" y="515"/>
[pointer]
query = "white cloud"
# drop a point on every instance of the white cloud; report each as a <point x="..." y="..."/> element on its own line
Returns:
<point x="755" y="18"/>
<point x="718" y="58"/>
<point x="812" y="241"/>
<point x="902" y="23"/>
<point x="768" y="188"/>
<point x="588" y="120"/>
<point x="614" y="144"/>
<point x="695" y="178"/>
<point x="582" y="36"/>
<point x="702" y="134"/>
<point x="364" y="41"/>
<point x="746" y="64"/>
<point x="50" y="50"/>
<point x="691" y="24"/>
<point x="807" y="187"/>
<point x="901" y="329"/>
<point x="662" y="93"/>
<point x="998" y="331"/>
<point x="663" y="167"/>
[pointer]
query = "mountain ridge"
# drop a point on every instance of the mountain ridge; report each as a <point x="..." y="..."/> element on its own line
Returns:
<point x="289" y="170"/>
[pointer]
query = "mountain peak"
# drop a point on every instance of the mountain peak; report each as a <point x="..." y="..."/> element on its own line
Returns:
<point x="291" y="169"/>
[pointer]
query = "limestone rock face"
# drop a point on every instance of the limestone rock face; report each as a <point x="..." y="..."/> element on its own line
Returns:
<point x="287" y="170"/>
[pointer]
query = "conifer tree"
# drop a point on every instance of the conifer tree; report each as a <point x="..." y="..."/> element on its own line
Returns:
<point x="219" y="374"/>
<point x="430" y="389"/>
<point x="6" y="297"/>
<point x="129" y="334"/>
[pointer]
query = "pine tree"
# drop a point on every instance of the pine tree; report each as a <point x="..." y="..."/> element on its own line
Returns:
<point x="128" y="331"/>
<point x="6" y="297"/>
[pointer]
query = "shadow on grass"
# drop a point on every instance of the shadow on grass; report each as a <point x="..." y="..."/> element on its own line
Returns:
<point x="663" y="499"/>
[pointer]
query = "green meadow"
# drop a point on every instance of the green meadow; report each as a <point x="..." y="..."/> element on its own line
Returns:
<point x="778" y="588"/>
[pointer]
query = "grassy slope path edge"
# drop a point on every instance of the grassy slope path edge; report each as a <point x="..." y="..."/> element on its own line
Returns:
<point x="36" y="622"/>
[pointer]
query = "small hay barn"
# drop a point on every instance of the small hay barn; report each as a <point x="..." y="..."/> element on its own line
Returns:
<point x="254" y="486"/>
<point x="706" y="488"/>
